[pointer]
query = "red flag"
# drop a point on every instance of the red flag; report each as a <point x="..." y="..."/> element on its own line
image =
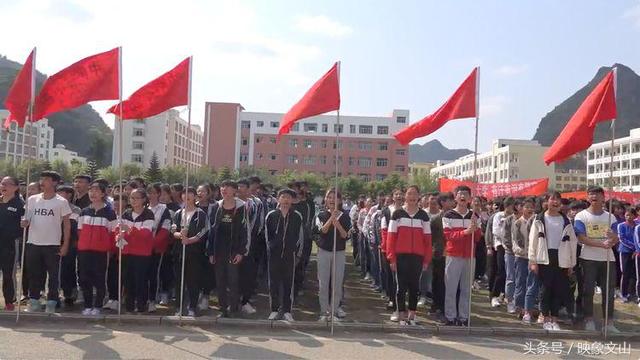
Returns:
<point x="577" y="135"/>
<point x="462" y="104"/>
<point x="93" y="78"/>
<point x="324" y="96"/>
<point x="20" y="94"/>
<point x="169" y="90"/>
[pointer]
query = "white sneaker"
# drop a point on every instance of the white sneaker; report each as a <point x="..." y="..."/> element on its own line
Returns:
<point x="495" y="302"/>
<point x="203" y="304"/>
<point x="540" y="319"/>
<point x="248" y="309"/>
<point x="164" y="299"/>
<point x="324" y="318"/>
<point x="274" y="316"/>
<point x="422" y="301"/>
<point x="341" y="313"/>
<point x="547" y="325"/>
<point x="395" y="317"/>
<point x="511" y="307"/>
<point x="95" y="312"/>
<point x="555" y="326"/>
<point x="598" y="290"/>
<point x="590" y="325"/>
<point x="526" y="318"/>
<point x="563" y="312"/>
<point x="86" y="312"/>
<point x="34" y="306"/>
<point x="191" y="313"/>
<point x="611" y="329"/>
<point x="152" y="307"/>
<point x="112" y="305"/>
<point x="287" y="317"/>
<point x="367" y="276"/>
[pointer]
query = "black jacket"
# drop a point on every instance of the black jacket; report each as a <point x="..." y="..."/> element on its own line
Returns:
<point x="284" y="234"/>
<point x="10" y="214"/>
<point x="227" y="246"/>
<point x="325" y="241"/>
<point x="198" y="225"/>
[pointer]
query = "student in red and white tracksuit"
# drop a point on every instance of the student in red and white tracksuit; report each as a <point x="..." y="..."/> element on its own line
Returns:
<point x="409" y="252"/>
<point x="460" y="227"/>
<point x="162" y="237"/>
<point x="137" y="225"/>
<point x="95" y="239"/>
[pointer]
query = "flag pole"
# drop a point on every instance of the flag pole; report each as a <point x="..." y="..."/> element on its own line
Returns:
<point x="475" y="180"/>
<point x="26" y="203"/>
<point x="335" y="229"/>
<point x="121" y="162"/>
<point x="186" y="185"/>
<point x="611" y="185"/>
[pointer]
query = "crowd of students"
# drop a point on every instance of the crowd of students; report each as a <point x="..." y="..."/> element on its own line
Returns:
<point x="227" y="238"/>
<point x="541" y="257"/>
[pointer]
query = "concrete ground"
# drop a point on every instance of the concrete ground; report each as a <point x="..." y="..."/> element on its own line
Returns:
<point x="74" y="340"/>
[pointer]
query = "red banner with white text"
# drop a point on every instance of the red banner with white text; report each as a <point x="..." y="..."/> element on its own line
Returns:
<point x="631" y="198"/>
<point x="530" y="187"/>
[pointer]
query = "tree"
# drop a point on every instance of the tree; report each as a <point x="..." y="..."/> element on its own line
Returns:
<point x="92" y="169"/>
<point x="153" y="173"/>
<point x="351" y="187"/>
<point x="100" y="149"/>
<point x="173" y="174"/>
<point x="35" y="167"/>
<point x="77" y="168"/>
<point x="110" y="174"/>
<point x="202" y="175"/>
<point x="426" y="182"/>
<point x="7" y="169"/>
<point x="130" y="170"/>
<point x="224" y="173"/>
<point x="62" y="168"/>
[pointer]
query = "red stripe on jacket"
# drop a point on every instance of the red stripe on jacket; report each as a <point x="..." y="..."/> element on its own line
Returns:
<point x="409" y="235"/>
<point x="457" y="243"/>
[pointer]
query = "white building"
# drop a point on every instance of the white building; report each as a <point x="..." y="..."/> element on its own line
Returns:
<point x="166" y="135"/>
<point x="37" y="137"/>
<point x="61" y="152"/>
<point x="508" y="160"/>
<point x="626" y="162"/>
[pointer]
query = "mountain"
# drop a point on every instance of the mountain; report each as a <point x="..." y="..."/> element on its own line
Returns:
<point x="628" y="106"/>
<point x="80" y="129"/>
<point x="434" y="150"/>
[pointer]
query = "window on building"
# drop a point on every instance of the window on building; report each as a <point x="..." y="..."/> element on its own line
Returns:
<point x="308" y="144"/>
<point x="138" y="132"/>
<point x="401" y="152"/>
<point x="364" y="177"/>
<point x="244" y="157"/>
<point x="245" y="124"/>
<point x="352" y="129"/>
<point x="309" y="160"/>
<point x="591" y="168"/>
<point x="137" y="145"/>
<point x="260" y="123"/>
<point x="383" y="146"/>
<point x="272" y="140"/>
<point x="295" y="127"/>
<point x="401" y="119"/>
<point x="364" y="162"/>
<point x="338" y="128"/>
<point x="310" y="127"/>
<point x="293" y="143"/>
<point x="323" y="144"/>
<point x="383" y="130"/>
<point x="325" y="128"/>
<point x="382" y="162"/>
<point x="259" y="156"/>
<point x="275" y="124"/>
<point x="273" y="156"/>
<point x="365" y="129"/>
<point x="258" y="139"/>
<point x="292" y="159"/>
<point x="245" y="141"/>
<point x="340" y="144"/>
<point x="352" y="161"/>
<point x="399" y="168"/>
<point x="323" y="159"/>
<point x="380" y="177"/>
<point x="365" y="146"/>
<point x="136" y="158"/>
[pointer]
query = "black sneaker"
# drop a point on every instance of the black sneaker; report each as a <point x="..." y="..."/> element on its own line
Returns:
<point x="446" y="322"/>
<point x="463" y="323"/>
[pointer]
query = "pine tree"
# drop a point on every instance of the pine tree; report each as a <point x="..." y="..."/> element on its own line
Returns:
<point x="153" y="173"/>
<point x="92" y="169"/>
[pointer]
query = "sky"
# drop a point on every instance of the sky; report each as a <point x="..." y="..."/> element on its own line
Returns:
<point x="397" y="54"/>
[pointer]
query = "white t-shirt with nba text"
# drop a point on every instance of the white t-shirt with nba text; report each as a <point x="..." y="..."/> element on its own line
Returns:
<point x="45" y="219"/>
<point x="595" y="228"/>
